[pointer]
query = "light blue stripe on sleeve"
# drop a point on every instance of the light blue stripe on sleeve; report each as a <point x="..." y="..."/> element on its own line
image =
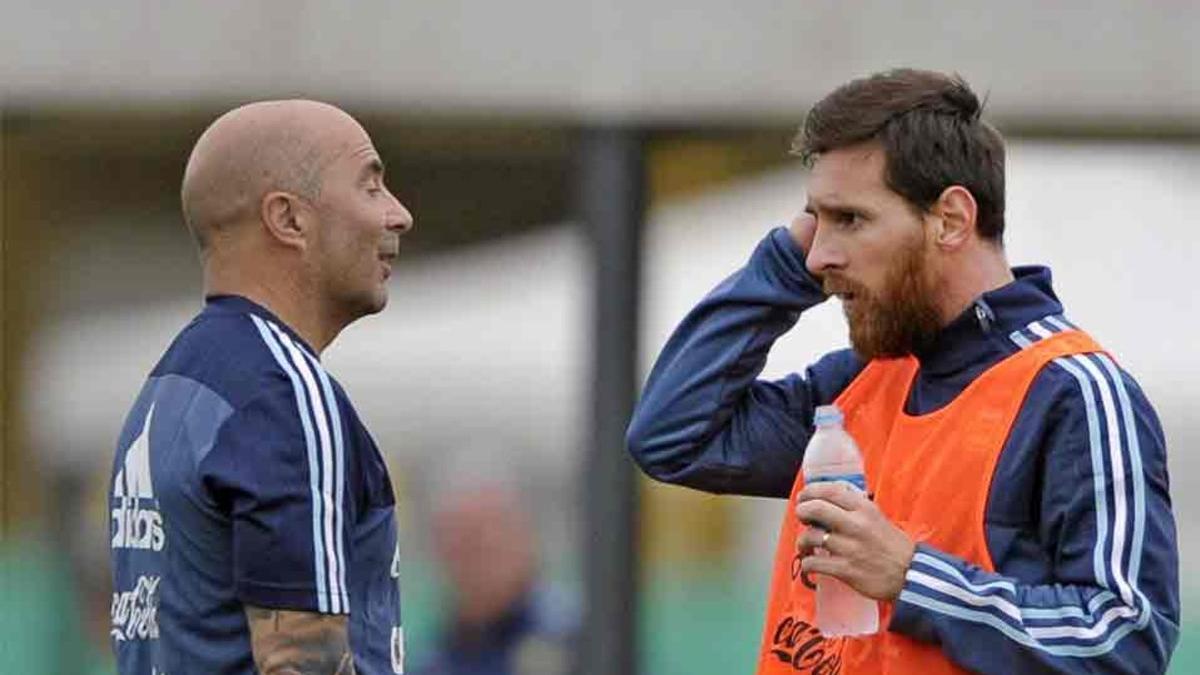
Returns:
<point x="1013" y="633"/>
<point x="1135" y="468"/>
<point x="325" y="458"/>
<point x="955" y="576"/>
<point x="1099" y="484"/>
<point x="323" y="598"/>
<point x="339" y="462"/>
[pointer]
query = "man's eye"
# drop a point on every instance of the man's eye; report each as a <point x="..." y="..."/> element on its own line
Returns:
<point x="847" y="218"/>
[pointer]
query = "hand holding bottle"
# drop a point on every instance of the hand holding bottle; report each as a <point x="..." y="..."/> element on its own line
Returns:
<point x="866" y="550"/>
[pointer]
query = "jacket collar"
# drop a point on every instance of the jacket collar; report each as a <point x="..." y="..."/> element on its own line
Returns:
<point x="216" y="305"/>
<point x="981" y="332"/>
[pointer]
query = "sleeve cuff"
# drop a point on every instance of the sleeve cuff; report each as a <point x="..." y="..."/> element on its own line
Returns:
<point x="784" y="260"/>
<point x="289" y="598"/>
<point x="910" y="619"/>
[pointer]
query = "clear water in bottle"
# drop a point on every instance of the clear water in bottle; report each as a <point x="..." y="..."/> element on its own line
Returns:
<point x="832" y="455"/>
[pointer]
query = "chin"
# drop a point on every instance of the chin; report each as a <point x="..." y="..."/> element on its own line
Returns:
<point x="379" y="300"/>
<point x="375" y="306"/>
<point x="365" y="306"/>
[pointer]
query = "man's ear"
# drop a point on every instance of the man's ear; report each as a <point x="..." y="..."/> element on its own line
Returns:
<point x="285" y="218"/>
<point x="956" y="211"/>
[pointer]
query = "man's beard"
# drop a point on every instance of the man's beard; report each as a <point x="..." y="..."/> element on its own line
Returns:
<point x="901" y="320"/>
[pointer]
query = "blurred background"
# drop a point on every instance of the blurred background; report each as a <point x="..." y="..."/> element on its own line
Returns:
<point x="489" y="380"/>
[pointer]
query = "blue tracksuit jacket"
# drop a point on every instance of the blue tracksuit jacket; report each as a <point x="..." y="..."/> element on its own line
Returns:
<point x="1078" y="521"/>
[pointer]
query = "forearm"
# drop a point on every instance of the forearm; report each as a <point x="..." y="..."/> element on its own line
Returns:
<point x="990" y="623"/>
<point x="684" y="428"/>
<point x="299" y="643"/>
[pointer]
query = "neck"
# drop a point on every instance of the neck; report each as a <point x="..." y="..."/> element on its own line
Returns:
<point x="971" y="277"/>
<point x="285" y="295"/>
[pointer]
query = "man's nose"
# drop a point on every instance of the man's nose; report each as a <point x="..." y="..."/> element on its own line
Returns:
<point x="825" y="253"/>
<point x="399" y="217"/>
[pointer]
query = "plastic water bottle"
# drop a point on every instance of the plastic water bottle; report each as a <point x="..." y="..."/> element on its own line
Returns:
<point x="832" y="455"/>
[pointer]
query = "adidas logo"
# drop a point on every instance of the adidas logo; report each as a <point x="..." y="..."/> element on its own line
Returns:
<point x="134" y="526"/>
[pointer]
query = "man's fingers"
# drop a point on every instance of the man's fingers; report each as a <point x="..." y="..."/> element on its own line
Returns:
<point x="823" y="514"/>
<point x="825" y="564"/>
<point x="835" y="492"/>
<point x="803" y="230"/>
<point x="815" y="537"/>
<point x="810" y="539"/>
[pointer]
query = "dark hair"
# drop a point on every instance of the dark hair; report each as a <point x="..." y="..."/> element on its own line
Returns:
<point x="928" y="124"/>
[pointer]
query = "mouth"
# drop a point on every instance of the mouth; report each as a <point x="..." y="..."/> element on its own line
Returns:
<point x="842" y="289"/>
<point x="389" y="247"/>
<point x="389" y="253"/>
<point x="386" y="260"/>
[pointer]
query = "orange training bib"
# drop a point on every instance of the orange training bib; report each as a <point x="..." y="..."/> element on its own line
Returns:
<point x="930" y="475"/>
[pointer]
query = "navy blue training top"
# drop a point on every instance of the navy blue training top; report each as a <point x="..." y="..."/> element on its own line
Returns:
<point x="1078" y="519"/>
<point x="243" y="476"/>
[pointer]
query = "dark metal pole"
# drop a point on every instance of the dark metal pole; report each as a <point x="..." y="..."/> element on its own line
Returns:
<point x="612" y="207"/>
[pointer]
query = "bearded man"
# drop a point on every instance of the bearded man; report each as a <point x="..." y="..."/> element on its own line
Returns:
<point x="1017" y="518"/>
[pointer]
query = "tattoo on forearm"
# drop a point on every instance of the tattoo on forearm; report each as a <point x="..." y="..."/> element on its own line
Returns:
<point x="299" y="643"/>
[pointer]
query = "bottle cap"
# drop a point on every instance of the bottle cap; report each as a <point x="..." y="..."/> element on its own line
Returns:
<point x="827" y="416"/>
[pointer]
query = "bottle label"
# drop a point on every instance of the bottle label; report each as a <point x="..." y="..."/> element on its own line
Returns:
<point x="855" y="479"/>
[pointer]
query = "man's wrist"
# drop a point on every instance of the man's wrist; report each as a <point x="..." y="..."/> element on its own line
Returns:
<point x="787" y="259"/>
<point x="907" y="618"/>
<point x="906" y="559"/>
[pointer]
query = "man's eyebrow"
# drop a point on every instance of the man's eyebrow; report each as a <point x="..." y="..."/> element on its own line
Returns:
<point x="373" y="167"/>
<point x="835" y="205"/>
<point x="827" y="204"/>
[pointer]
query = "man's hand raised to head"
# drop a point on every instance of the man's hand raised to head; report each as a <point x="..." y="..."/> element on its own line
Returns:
<point x="804" y="229"/>
<point x="866" y="550"/>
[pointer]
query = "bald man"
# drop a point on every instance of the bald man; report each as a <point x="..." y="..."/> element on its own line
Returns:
<point x="252" y="516"/>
